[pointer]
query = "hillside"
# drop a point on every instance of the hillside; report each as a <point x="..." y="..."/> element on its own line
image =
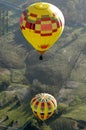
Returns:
<point x="61" y="59"/>
<point x="62" y="72"/>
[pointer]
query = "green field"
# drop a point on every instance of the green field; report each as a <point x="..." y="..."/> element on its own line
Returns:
<point x="61" y="73"/>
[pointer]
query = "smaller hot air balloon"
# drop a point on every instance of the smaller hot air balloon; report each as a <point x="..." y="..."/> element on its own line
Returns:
<point x="42" y="24"/>
<point x="43" y="105"/>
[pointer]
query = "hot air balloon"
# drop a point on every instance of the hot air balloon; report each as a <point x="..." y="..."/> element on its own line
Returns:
<point x="42" y="24"/>
<point x="43" y="105"/>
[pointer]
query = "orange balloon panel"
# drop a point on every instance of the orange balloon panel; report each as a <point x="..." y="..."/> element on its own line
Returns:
<point x="42" y="24"/>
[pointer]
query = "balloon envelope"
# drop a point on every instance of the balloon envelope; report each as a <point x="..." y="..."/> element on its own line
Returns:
<point x="42" y="24"/>
<point x="43" y="105"/>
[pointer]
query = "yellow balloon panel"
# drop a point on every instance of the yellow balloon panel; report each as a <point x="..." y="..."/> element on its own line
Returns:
<point x="43" y="105"/>
<point x="42" y="24"/>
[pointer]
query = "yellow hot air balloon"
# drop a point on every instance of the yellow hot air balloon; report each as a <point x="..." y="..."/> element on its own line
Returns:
<point x="42" y="24"/>
<point x="43" y="105"/>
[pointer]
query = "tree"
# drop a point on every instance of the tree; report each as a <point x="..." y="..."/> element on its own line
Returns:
<point x="3" y="21"/>
<point x="62" y="108"/>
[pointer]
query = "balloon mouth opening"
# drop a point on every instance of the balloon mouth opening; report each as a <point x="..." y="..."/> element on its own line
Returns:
<point x="41" y="52"/>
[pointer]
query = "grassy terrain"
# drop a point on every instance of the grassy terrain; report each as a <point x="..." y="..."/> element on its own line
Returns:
<point x="77" y="113"/>
<point x="76" y="96"/>
<point x="15" y="104"/>
<point x="61" y="73"/>
<point x="18" y="114"/>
